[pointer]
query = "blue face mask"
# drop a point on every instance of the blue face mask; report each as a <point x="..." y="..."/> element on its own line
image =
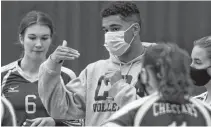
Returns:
<point x="200" y="77"/>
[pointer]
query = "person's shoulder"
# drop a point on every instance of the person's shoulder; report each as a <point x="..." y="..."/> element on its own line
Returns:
<point x="100" y="63"/>
<point x="8" y="67"/>
<point x="201" y="96"/>
<point x="203" y="103"/>
<point x="127" y="113"/>
<point x="204" y="108"/>
<point x="133" y="106"/>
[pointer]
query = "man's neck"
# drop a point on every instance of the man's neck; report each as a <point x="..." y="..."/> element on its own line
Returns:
<point x="135" y="50"/>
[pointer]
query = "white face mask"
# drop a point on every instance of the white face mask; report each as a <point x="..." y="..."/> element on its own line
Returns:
<point x="115" y="42"/>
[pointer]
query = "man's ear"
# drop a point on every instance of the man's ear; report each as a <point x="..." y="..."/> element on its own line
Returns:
<point x="136" y="29"/>
<point x="21" y="39"/>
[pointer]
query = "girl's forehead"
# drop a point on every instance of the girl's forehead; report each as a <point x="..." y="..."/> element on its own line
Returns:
<point x="38" y="29"/>
<point x="199" y="53"/>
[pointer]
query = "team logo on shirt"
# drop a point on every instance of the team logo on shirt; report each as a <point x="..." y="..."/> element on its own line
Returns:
<point x="104" y="101"/>
<point x="163" y="108"/>
<point x="13" y="89"/>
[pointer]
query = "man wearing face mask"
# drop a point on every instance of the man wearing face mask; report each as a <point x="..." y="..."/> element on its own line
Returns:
<point x="201" y="66"/>
<point x="165" y="72"/>
<point x="103" y="87"/>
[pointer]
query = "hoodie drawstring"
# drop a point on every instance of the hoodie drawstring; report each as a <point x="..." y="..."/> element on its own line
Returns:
<point x="125" y="76"/>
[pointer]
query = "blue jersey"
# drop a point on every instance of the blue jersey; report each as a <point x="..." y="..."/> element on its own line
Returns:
<point x="154" y="111"/>
<point x="22" y="91"/>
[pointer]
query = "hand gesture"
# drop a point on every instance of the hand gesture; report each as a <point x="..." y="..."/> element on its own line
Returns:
<point x="64" y="53"/>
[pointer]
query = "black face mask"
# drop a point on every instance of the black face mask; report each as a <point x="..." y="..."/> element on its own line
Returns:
<point x="200" y="77"/>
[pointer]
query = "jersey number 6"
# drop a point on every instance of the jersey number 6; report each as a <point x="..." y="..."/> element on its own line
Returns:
<point x="31" y="104"/>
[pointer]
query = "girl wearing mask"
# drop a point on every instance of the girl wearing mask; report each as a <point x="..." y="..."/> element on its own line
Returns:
<point x="201" y="67"/>
<point x="165" y="74"/>
<point x="20" y="78"/>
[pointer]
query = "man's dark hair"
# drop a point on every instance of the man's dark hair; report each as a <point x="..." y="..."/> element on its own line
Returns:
<point x="123" y="8"/>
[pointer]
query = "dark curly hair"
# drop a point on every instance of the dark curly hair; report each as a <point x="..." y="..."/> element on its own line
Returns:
<point x="171" y="66"/>
<point x="125" y="9"/>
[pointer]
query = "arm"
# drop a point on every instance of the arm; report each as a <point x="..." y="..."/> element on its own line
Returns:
<point x="123" y="93"/>
<point x="61" y="102"/>
<point x="68" y="75"/>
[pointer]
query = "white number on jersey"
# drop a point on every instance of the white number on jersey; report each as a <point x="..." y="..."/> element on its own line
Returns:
<point x="27" y="104"/>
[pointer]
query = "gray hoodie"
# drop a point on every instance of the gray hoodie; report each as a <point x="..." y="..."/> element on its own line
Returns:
<point x="88" y="96"/>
